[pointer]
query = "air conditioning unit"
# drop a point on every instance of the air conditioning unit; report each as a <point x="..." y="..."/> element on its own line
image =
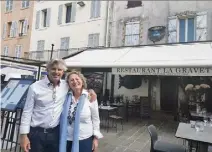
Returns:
<point x="20" y="34"/>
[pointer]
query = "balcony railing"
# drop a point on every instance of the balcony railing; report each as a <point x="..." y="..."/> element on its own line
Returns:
<point x="46" y="54"/>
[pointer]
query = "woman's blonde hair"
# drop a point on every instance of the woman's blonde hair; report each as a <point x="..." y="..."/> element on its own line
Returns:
<point x="82" y="77"/>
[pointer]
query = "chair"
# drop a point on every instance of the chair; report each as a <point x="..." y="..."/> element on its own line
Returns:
<point x="161" y="146"/>
<point x="115" y="118"/>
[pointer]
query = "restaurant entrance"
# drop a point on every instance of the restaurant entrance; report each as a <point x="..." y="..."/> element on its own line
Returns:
<point x="169" y="94"/>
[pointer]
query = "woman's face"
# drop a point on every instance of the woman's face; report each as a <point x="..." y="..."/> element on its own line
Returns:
<point x="75" y="82"/>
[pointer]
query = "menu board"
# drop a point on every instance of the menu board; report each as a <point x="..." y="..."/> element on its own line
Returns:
<point x="14" y="93"/>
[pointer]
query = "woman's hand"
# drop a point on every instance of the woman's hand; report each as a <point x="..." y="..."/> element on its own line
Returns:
<point x="92" y="95"/>
<point x="25" y="143"/>
<point x="95" y="144"/>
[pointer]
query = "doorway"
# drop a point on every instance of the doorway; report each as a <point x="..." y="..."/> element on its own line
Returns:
<point x="169" y="94"/>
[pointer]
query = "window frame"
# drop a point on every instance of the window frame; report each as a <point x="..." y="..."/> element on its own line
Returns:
<point x="127" y="35"/>
<point x="24" y="4"/>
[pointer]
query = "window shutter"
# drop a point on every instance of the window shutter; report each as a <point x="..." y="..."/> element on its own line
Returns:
<point x="97" y="8"/>
<point x="67" y="42"/>
<point x="48" y="17"/>
<point x="92" y="8"/>
<point x="201" y="26"/>
<point x="6" y="51"/>
<point x="12" y="29"/>
<point x="11" y="5"/>
<point x="4" y="33"/>
<point x="25" y="28"/>
<point x="96" y="40"/>
<point x="15" y="30"/>
<point x="23" y="3"/>
<point x="19" y="51"/>
<point x="90" y="40"/>
<point x="73" y="12"/>
<point x="7" y="6"/>
<point x="37" y="22"/>
<point x="60" y="14"/>
<point x="16" y="51"/>
<point x="172" y="29"/>
<point x="62" y="43"/>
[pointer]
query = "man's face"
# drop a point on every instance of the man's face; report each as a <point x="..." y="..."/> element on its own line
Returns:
<point x="55" y="73"/>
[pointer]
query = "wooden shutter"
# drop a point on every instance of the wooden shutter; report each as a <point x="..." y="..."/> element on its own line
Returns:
<point x="48" y="17"/>
<point x="92" y="9"/>
<point x="37" y="22"/>
<point x="96" y="40"/>
<point x="4" y="33"/>
<point x="12" y="29"/>
<point x="67" y="43"/>
<point x="60" y="14"/>
<point x="97" y="8"/>
<point x="90" y="40"/>
<point x="201" y="26"/>
<point x="73" y="12"/>
<point x="172" y="29"/>
<point x="6" y="51"/>
<point x="15" y="30"/>
<point x="25" y="26"/>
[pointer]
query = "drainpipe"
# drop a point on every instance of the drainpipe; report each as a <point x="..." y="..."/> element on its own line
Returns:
<point x="105" y="41"/>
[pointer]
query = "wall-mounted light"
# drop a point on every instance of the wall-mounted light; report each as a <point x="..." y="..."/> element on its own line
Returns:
<point x="81" y="3"/>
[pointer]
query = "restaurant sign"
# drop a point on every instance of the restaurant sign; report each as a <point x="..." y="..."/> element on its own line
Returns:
<point x="164" y="71"/>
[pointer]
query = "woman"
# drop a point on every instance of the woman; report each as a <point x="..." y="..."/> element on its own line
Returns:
<point x="79" y="124"/>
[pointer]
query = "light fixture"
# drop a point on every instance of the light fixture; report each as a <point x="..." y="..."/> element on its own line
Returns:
<point x="81" y="3"/>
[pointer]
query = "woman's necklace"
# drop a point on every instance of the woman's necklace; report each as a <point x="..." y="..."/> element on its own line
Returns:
<point x="71" y="115"/>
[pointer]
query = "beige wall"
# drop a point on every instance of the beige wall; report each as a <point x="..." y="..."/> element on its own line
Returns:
<point x="17" y="13"/>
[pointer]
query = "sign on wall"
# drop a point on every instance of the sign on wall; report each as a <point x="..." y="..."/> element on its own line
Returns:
<point x="164" y="71"/>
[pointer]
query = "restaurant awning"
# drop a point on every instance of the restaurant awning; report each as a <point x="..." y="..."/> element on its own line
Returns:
<point x="174" y="55"/>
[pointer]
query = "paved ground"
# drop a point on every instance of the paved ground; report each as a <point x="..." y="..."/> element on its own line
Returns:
<point x="135" y="137"/>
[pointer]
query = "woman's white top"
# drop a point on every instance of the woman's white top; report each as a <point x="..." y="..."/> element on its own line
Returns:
<point x="89" y="120"/>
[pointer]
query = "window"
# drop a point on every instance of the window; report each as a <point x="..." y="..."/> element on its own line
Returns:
<point x="132" y="33"/>
<point x="40" y="49"/>
<point x="18" y="51"/>
<point x="6" y="50"/>
<point x="131" y="4"/>
<point x="12" y="28"/>
<point x="186" y="30"/>
<point x="95" y="8"/>
<point x="44" y="17"/>
<point x="9" y="5"/>
<point x="25" y="3"/>
<point x="68" y="13"/>
<point x="64" y="43"/>
<point x="4" y="31"/>
<point x="93" y="40"/>
<point x="40" y="45"/>
<point x="23" y="27"/>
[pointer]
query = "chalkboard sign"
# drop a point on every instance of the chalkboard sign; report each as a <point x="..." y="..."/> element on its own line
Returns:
<point x="14" y="93"/>
<point x="156" y="33"/>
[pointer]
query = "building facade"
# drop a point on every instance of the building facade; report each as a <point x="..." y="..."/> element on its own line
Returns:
<point x="16" y="19"/>
<point x="131" y="23"/>
<point x="67" y="24"/>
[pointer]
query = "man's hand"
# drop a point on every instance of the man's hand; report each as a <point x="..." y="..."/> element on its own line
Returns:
<point x="95" y="144"/>
<point x="25" y="143"/>
<point x="92" y="95"/>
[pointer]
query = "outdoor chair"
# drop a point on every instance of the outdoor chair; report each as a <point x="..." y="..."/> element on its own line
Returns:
<point x="115" y="118"/>
<point x="162" y="146"/>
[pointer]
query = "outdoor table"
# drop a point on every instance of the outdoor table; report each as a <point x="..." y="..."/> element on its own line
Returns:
<point x="108" y="109"/>
<point x="204" y="138"/>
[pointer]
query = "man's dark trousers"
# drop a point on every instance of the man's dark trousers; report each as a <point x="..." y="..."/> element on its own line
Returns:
<point x="44" y="140"/>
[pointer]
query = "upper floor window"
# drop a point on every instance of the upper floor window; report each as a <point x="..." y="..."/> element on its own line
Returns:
<point x="9" y="5"/>
<point x="95" y="8"/>
<point x="18" y="49"/>
<point x="132" y="34"/>
<point x="6" y="51"/>
<point x="131" y="4"/>
<point x="12" y="28"/>
<point x="66" y="13"/>
<point x="23" y="27"/>
<point x="187" y="29"/>
<point x="25" y="3"/>
<point x="93" y="40"/>
<point x="64" y="43"/>
<point x="43" y="18"/>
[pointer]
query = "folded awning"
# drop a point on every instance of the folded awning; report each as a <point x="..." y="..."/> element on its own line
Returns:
<point x="175" y="55"/>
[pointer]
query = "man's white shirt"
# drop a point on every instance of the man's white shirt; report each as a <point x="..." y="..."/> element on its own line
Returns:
<point x="40" y="109"/>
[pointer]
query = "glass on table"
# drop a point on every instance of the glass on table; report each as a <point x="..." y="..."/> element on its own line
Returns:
<point x="199" y="126"/>
<point x="192" y="123"/>
<point x="205" y="120"/>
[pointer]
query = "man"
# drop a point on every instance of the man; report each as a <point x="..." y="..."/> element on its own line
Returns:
<point x="39" y="129"/>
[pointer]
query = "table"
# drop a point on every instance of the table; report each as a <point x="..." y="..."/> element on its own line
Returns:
<point x="195" y="114"/>
<point x="108" y="109"/>
<point x="204" y="138"/>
